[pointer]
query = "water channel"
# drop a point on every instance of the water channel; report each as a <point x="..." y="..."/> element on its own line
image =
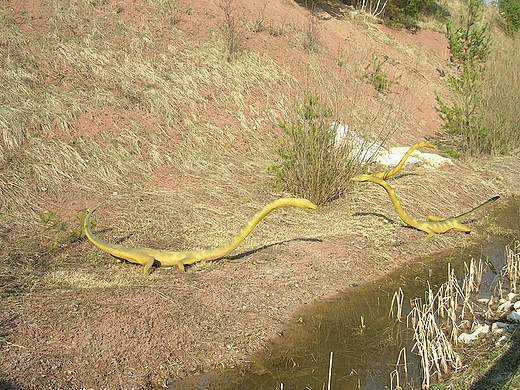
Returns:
<point x="354" y="330"/>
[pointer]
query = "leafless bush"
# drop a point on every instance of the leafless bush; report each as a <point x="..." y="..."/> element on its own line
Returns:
<point x="233" y="34"/>
<point x="312" y="34"/>
<point x="511" y="269"/>
<point x="372" y="7"/>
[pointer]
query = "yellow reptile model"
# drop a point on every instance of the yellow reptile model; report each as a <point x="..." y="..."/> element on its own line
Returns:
<point x="148" y="257"/>
<point x="397" y="168"/>
<point x="434" y="225"/>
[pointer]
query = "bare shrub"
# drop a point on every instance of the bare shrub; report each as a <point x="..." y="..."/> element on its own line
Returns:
<point x="316" y="157"/>
<point x="233" y="34"/>
<point x="312" y="39"/>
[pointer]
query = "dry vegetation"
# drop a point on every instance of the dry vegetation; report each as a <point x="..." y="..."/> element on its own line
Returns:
<point x="140" y="106"/>
<point x="99" y="107"/>
<point x="98" y="120"/>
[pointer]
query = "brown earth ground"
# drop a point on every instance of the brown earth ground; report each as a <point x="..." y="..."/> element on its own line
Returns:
<point x="94" y="323"/>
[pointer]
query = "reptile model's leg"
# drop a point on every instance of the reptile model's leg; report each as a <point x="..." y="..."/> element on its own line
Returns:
<point x="148" y="266"/>
<point x="430" y="232"/>
<point x="186" y="261"/>
<point x="397" y="168"/>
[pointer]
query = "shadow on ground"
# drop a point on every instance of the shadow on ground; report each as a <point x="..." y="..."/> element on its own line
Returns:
<point x="502" y="374"/>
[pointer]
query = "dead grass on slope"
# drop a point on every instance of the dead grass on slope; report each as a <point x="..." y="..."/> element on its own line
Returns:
<point x="97" y="108"/>
<point x="59" y="84"/>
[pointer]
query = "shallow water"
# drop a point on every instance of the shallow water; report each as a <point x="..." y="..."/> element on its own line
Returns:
<point x="356" y="328"/>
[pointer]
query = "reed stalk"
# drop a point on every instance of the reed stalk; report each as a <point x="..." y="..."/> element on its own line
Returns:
<point x="511" y="270"/>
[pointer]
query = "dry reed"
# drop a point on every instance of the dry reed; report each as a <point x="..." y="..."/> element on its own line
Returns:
<point x="511" y="269"/>
<point x="436" y="321"/>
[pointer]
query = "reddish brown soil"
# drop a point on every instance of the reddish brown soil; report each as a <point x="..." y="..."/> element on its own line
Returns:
<point x="180" y="324"/>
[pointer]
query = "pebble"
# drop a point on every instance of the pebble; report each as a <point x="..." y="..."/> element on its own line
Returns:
<point x="467" y="338"/>
<point x="514" y="317"/>
<point x="505" y="306"/>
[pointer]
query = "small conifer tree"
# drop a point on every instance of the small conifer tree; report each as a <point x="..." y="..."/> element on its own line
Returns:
<point x="469" y="42"/>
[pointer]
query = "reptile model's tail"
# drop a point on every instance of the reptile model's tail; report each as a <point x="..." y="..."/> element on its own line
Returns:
<point x="397" y="168"/>
<point x="100" y="243"/>
<point x="485" y="204"/>
<point x="86" y="221"/>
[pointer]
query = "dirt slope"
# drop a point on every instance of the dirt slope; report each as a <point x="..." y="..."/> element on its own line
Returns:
<point x="178" y="155"/>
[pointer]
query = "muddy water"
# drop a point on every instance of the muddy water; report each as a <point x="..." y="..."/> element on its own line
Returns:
<point x="355" y="332"/>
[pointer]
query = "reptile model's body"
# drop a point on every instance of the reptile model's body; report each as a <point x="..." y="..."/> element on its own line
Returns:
<point x="147" y="257"/>
<point x="434" y="225"/>
<point x="397" y="168"/>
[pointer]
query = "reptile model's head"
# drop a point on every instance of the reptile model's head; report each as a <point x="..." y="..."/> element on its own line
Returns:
<point x="305" y="204"/>
<point x="424" y="145"/>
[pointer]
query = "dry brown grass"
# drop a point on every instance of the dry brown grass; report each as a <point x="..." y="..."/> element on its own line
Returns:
<point x="187" y="111"/>
<point x="54" y="78"/>
<point x="501" y="99"/>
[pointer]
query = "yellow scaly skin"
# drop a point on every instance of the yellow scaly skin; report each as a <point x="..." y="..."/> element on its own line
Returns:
<point x="147" y="257"/>
<point x="432" y="227"/>
<point x="397" y="168"/>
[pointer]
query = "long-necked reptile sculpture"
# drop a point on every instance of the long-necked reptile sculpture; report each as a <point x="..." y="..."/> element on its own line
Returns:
<point x="432" y="226"/>
<point x="148" y="257"/>
<point x="397" y="168"/>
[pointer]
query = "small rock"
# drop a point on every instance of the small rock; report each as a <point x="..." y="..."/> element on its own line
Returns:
<point x="502" y="339"/>
<point x="516" y="305"/>
<point x="506" y="306"/>
<point x="482" y="329"/>
<point x="514" y="317"/>
<point x="511" y="296"/>
<point x="501" y="327"/>
<point x="484" y="301"/>
<point x="466" y="338"/>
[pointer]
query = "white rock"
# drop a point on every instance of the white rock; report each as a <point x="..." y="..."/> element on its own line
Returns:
<point x="501" y="327"/>
<point x="516" y="305"/>
<point x="500" y="331"/>
<point x="434" y="160"/>
<point x="401" y="150"/>
<point x="514" y="317"/>
<point x="482" y="329"/>
<point x="484" y="301"/>
<point x="467" y="338"/>
<point x="502" y="339"/>
<point x="506" y="306"/>
<point x="511" y="296"/>
<point x="362" y="150"/>
<point x="366" y="151"/>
